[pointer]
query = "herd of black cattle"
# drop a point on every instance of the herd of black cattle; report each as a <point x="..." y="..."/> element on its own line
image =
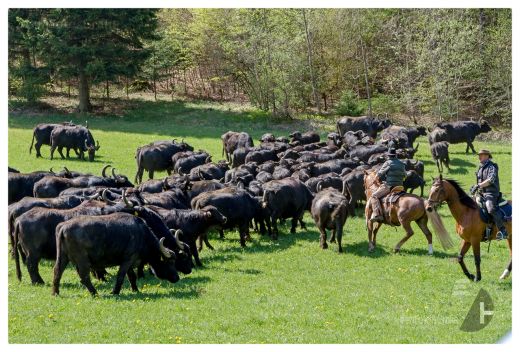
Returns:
<point x="95" y="222"/>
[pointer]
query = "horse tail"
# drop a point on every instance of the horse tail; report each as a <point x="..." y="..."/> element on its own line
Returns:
<point x="439" y="229"/>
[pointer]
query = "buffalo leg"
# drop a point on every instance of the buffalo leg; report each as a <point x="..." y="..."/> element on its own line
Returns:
<point x="32" y="268"/>
<point x="323" y="238"/>
<point x="68" y="153"/>
<point x="60" y="150"/>
<point x="84" y="277"/>
<point x="140" y="270"/>
<point x="302" y="224"/>
<point x="150" y="174"/>
<point x="37" y="146"/>
<point x="133" y="279"/>
<point x="294" y="222"/>
<point x="53" y="148"/>
<point x="333" y="236"/>
<point x="120" y="277"/>
<point x="274" y="222"/>
<point x="242" y="229"/>
<point x="463" y="249"/>
<point x="59" y="268"/>
<point x="221" y="233"/>
<point x="195" y="253"/>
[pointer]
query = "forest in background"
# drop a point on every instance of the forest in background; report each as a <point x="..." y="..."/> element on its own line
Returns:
<point x="446" y="63"/>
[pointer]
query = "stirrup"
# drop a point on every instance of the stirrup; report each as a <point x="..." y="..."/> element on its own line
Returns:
<point x="502" y="235"/>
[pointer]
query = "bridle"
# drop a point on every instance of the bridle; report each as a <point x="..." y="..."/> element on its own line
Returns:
<point x="437" y="202"/>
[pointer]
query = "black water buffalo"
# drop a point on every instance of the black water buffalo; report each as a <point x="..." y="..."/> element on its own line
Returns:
<point x="363" y="152"/>
<point x="416" y="165"/>
<point x="98" y="242"/>
<point x="287" y="198"/>
<point x="192" y="223"/>
<point x="459" y="132"/>
<point x="34" y="233"/>
<point x="315" y="184"/>
<point x="321" y="157"/>
<point x="329" y="210"/>
<point x="261" y="156"/>
<point x="52" y="186"/>
<point x="233" y="140"/>
<point x="171" y="199"/>
<point x="21" y="184"/>
<point x="74" y="137"/>
<point x="441" y="154"/>
<point x="237" y="205"/>
<point x="157" y="156"/>
<point x="209" y="171"/>
<point x="353" y="138"/>
<point x="367" y="124"/>
<point x="413" y="181"/>
<point x="27" y="203"/>
<point x="267" y="138"/>
<point x="185" y="161"/>
<point x="193" y="189"/>
<point x="12" y="169"/>
<point x="42" y="135"/>
<point x="353" y="181"/>
<point x="404" y="137"/>
<point x="304" y="138"/>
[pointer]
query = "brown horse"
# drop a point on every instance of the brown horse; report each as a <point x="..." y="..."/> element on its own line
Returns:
<point x="470" y="226"/>
<point x="406" y="209"/>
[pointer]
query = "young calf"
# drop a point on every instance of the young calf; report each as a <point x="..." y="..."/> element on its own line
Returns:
<point x="440" y="154"/>
<point x="329" y="211"/>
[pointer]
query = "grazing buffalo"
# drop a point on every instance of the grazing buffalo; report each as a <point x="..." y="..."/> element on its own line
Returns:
<point x="351" y="139"/>
<point x="157" y="156"/>
<point x="74" y="137"/>
<point x="459" y="132"/>
<point x="209" y="171"/>
<point x="329" y="210"/>
<point x="364" y="152"/>
<point x="192" y="223"/>
<point x="98" y="242"/>
<point x="324" y="181"/>
<point x="287" y="198"/>
<point x="367" y="124"/>
<point x="42" y="135"/>
<point x="441" y="154"/>
<point x="233" y="140"/>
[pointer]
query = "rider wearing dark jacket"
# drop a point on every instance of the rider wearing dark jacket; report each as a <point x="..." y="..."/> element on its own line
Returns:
<point x="392" y="173"/>
<point x="489" y="185"/>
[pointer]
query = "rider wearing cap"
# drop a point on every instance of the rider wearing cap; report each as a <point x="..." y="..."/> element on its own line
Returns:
<point x="392" y="174"/>
<point x="488" y="183"/>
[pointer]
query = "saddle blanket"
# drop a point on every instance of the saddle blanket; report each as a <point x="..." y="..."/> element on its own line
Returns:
<point x="393" y="197"/>
<point x="504" y="208"/>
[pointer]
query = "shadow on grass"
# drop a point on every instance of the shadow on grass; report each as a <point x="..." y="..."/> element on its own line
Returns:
<point x="172" y="118"/>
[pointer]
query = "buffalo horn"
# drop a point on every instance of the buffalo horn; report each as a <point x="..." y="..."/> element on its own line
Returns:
<point x="104" y="170"/>
<point x="165" y="251"/>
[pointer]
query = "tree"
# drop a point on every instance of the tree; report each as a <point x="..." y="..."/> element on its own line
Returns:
<point x="96" y="45"/>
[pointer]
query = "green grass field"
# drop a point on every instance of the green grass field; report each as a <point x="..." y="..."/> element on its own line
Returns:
<point x="288" y="291"/>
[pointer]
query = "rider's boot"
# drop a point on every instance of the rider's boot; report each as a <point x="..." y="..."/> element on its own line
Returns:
<point x="376" y="211"/>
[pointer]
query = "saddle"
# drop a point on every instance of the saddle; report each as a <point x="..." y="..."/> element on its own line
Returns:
<point x="504" y="208"/>
<point x="394" y="195"/>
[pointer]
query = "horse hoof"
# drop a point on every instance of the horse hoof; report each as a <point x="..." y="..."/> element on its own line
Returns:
<point x="397" y="250"/>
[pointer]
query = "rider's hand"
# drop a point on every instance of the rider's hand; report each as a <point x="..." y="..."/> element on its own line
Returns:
<point x="473" y="189"/>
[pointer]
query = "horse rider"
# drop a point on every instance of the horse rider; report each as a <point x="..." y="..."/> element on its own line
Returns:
<point x="392" y="174"/>
<point x="489" y="186"/>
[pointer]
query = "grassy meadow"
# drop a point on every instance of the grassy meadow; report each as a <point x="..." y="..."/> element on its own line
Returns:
<point x="285" y="291"/>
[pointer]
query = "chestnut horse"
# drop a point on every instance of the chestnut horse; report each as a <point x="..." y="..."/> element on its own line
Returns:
<point x="406" y="209"/>
<point x="469" y="225"/>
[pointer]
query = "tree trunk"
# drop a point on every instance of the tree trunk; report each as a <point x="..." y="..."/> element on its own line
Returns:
<point x="107" y="89"/>
<point x="309" y="59"/>
<point x="365" y="67"/>
<point x="126" y="87"/>
<point x="84" y="93"/>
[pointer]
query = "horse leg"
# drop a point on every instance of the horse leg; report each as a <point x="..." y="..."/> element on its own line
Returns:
<point x="409" y="233"/>
<point x="463" y="249"/>
<point x="507" y="271"/>
<point x="376" y="228"/>
<point x="423" y="225"/>
<point x="476" y="254"/>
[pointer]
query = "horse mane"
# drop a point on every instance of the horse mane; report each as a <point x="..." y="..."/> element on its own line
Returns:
<point x="463" y="197"/>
